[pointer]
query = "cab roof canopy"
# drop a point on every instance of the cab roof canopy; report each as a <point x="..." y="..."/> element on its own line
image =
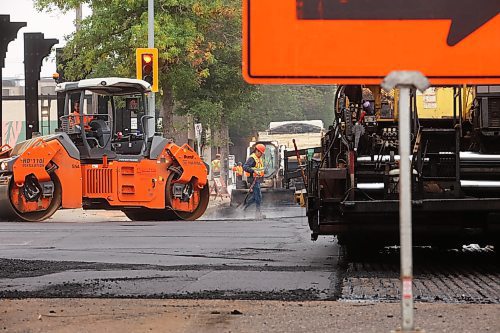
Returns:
<point x="107" y="86"/>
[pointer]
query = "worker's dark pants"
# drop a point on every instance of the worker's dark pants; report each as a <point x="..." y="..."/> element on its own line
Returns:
<point x="256" y="197"/>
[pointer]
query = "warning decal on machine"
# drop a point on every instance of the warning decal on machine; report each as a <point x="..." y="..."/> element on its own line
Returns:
<point x="33" y="162"/>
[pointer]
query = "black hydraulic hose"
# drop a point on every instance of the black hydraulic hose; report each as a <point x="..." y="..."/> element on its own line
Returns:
<point x="329" y="147"/>
<point x="340" y="89"/>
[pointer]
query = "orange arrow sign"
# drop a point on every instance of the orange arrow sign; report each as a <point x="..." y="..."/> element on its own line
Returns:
<point x="361" y="41"/>
<point x="466" y="16"/>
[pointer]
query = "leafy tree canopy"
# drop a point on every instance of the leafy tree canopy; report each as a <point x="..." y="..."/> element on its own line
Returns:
<point x="283" y="103"/>
<point x="106" y="43"/>
<point x="199" y="45"/>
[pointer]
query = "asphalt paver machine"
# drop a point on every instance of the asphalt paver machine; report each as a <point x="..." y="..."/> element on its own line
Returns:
<point x="353" y="189"/>
<point x="96" y="160"/>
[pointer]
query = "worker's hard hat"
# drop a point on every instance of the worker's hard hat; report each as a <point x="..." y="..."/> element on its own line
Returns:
<point x="260" y="147"/>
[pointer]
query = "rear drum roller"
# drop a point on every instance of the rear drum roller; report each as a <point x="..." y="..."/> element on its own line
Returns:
<point x="15" y="207"/>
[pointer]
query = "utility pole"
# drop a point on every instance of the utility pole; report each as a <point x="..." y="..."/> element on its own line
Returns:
<point x="151" y="123"/>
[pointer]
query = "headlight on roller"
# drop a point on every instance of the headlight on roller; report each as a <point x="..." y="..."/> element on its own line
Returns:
<point x="3" y="166"/>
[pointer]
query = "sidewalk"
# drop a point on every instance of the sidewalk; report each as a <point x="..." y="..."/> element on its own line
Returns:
<point x="194" y="316"/>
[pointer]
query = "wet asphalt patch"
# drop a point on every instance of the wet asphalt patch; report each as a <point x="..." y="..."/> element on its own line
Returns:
<point x="439" y="276"/>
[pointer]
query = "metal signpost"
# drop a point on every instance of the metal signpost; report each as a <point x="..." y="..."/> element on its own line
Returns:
<point x="450" y="42"/>
<point x="405" y="81"/>
<point x="231" y="159"/>
<point x="198" y="129"/>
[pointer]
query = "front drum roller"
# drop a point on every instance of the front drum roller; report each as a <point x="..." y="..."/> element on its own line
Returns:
<point x="11" y="211"/>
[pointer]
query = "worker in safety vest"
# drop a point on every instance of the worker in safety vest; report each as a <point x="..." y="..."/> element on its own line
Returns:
<point x="216" y="166"/>
<point x="254" y="169"/>
<point x="238" y="170"/>
<point x="75" y="118"/>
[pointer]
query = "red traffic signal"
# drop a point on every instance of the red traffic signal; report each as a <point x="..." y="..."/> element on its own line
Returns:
<point x="147" y="58"/>
<point x="147" y="66"/>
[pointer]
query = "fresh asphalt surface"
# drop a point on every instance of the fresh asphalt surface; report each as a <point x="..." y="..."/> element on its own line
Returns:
<point x="209" y="258"/>
<point x="222" y="256"/>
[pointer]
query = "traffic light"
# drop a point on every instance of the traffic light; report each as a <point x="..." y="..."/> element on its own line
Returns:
<point x="147" y="66"/>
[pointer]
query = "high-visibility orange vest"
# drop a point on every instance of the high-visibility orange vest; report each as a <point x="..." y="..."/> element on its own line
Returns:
<point x="259" y="165"/>
<point x="216" y="166"/>
<point x="238" y="169"/>
<point x="75" y="120"/>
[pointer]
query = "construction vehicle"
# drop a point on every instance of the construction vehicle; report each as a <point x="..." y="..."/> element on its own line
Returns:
<point x="353" y="189"/>
<point x="281" y="170"/>
<point x="94" y="161"/>
<point x="288" y="136"/>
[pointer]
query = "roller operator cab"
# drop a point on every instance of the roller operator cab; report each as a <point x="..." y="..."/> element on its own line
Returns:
<point x="101" y="158"/>
<point x="353" y="189"/>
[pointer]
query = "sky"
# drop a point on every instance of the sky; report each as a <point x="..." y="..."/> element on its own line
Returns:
<point x="51" y="24"/>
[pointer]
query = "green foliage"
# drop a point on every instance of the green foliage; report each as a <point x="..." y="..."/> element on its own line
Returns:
<point x="199" y="45"/>
<point x="63" y="5"/>
<point x="222" y="92"/>
<point x="106" y="43"/>
<point x="283" y="103"/>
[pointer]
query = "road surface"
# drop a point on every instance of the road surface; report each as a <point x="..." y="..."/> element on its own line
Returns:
<point x="98" y="271"/>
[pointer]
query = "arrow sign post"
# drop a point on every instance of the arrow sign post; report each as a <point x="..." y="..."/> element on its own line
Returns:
<point x="405" y="80"/>
<point x="449" y="42"/>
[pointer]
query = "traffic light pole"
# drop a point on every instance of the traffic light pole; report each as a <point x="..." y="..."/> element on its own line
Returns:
<point x="150" y="128"/>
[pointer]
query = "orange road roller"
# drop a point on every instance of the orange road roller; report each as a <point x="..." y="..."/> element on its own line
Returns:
<point x="101" y="157"/>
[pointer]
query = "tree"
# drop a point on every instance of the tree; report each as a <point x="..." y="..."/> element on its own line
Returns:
<point x="283" y="103"/>
<point x="222" y="95"/>
<point x="199" y="45"/>
<point x="105" y="44"/>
